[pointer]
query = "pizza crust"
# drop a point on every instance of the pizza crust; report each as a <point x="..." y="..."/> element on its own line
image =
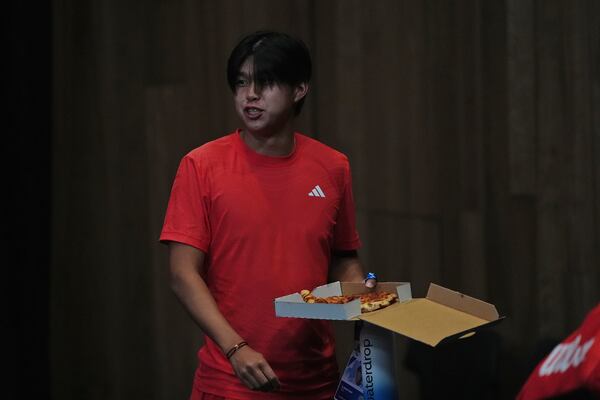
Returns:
<point x="368" y="301"/>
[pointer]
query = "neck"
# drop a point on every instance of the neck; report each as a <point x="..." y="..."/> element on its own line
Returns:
<point x="279" y="144"/>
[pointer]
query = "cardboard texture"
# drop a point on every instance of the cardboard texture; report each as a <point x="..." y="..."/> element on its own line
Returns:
<point x="444" y="315"/>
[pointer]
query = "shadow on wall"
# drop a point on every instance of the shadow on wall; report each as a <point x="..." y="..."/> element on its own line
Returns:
<point x="468" y="369"/>
<point x="465" y="369"/>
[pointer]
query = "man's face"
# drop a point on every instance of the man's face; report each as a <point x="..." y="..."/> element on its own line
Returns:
<point x="264" y="110"/>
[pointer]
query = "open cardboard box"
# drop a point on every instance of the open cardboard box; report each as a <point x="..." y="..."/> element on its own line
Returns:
<point x="442" y="316"/>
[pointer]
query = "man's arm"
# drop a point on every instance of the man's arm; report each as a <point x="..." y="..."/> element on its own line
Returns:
<point x="346" y="267"/>
<point x="186" y="271"/>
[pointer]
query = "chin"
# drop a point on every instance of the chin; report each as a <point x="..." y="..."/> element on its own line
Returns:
<point x="259" y="128"/>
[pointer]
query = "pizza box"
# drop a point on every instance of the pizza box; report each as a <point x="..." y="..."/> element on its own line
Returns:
<point x="442" y="316"/>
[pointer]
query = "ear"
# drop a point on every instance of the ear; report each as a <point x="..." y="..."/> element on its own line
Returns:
<point x="300" y="91"/>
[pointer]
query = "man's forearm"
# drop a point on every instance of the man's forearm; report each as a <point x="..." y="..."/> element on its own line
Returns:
<point x="192" y="292"/>
<point x="346" y="267"/>
<point x="187" y="268"/>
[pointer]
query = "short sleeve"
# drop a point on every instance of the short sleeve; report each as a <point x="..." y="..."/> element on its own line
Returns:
<point x="345" y="233"/>
<point x="186" y="218"/>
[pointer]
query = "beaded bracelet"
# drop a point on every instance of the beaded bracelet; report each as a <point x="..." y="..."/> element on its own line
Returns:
<point x="235" y="348"/>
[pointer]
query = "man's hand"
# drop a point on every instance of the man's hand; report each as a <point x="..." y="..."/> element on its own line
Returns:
<point x="371" y="280"/>
<point x="253" y="370"/>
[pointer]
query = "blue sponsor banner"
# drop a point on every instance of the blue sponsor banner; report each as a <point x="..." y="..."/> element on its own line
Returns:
<point x="370" y="372"/>
<point x="350" y="387"/>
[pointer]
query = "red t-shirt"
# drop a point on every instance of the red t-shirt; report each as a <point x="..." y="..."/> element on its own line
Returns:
<point x="573" y="365"/>
<point x="268" y="226"/>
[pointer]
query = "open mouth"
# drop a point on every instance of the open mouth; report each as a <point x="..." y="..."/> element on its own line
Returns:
<point x="253" y="112"/>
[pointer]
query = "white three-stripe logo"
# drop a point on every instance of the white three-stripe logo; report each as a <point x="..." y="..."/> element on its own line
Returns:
<point x="317" y="192"/>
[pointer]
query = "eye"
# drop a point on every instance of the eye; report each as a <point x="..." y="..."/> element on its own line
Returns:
<point x="240" y="82"/>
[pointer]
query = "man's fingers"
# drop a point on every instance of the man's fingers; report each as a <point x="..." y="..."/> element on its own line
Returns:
<point x="270" y="386"/>
<point x="267" y="387"/>
<point x="272" y="380"/>
<point x="249" y="379"/>
<point x="370" y="283"/>
<point x="275" y="384"/>
<point x="260" y="377"/>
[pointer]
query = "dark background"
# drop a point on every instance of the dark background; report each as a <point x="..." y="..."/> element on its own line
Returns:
<point x="472" y="127"/>
<point x="27" y="172"/>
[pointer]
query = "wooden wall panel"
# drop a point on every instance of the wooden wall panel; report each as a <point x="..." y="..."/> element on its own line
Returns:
<point x="164" y="34"/>
<point x="76" y="316"/>
<point x="425" y="263"/>
<point x="521" y="65"/>
<point x="422" y="140"/>
<point x="168" y="108"/>
<point x="583" y="271"/>
<point x="554" y="167"/>
<point x="348" y="102"/>
<point x="520" y="259"/>
<point x="592" y="40"/>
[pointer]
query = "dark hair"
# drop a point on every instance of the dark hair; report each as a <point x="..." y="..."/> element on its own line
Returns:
<point x="278" y="58"/>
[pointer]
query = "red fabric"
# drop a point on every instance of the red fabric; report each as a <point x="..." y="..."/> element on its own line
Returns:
<point x="265" y="237"/>
<point x="206" y="396"/>
<point x="574" y="364"/>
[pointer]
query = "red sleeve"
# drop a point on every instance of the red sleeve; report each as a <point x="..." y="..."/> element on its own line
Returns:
<point x="186" y="219"/>
<point x="573" y="365"/>
<point x="345" y="233"/>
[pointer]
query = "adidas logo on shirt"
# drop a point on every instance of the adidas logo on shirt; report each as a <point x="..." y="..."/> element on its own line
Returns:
<point x="316" y="192"/>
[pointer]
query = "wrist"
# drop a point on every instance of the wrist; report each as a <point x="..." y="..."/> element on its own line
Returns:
<point x="234" y="349"/>
<point x="227" y="340"/>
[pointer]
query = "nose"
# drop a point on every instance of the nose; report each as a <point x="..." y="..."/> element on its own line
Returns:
<point x="253" y="92"/>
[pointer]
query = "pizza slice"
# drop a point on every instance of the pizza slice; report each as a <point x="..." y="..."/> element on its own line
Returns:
<point x="376" y="300"/>
<point x="368" y="301"/>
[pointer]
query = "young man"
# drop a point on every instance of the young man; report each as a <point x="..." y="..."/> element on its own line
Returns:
<point x="254" y="215"/>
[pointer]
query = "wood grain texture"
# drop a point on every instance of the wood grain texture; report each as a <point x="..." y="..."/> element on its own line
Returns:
<point x="521" y="83"/>
<point x="167" y="107"/>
